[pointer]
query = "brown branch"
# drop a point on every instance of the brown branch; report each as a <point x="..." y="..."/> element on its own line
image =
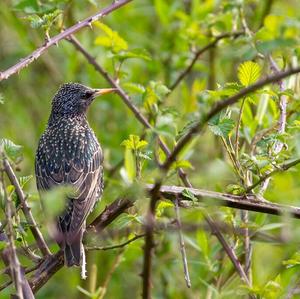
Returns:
<point x="9" y="254"/>
<point x="182" y="245"/>
<point x="200" y="52"/>
<point x="63" y="35"/>
<point x="243" y="202"/>
<point x="26" y="209"/>
<point x="198" y="126"/>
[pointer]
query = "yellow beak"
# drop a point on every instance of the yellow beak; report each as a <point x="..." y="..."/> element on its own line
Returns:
<point x="102" y="91"/>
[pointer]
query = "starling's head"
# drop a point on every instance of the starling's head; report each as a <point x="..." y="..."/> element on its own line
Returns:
<point x="75" y="98"/>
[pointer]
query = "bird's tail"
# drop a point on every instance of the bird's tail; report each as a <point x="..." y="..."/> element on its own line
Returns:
<point x="73" y="254"/>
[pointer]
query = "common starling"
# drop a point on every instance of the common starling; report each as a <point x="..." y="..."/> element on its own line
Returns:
<point x="70" y="154"/>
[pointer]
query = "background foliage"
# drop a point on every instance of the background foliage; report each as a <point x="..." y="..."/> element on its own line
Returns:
<point x="146" y="45"/>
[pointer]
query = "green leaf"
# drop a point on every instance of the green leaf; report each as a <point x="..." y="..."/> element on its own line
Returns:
<point x="134" y="142"/>
<point x="12" y="151"/>
<point x="54" y="200"/>
<point x="249" y="73"/>
<point x="24" y="180"/>
<point x="223" y="127"/>
<point x="182" y="164"/>
<point x="134" y="87"/>
<point x="162" y="206"/>
<point x="134" y="53"/>
<point x="129" y="163"/>
<point x="203" y="242"/>
<point x="111" y="40"/>
<point x="1" y="99"/>
<point x="188" y="194"/>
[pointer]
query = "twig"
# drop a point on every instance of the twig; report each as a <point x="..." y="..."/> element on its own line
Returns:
<point x="9" y="255"/>
<point x="200" y="52"/>
<point x="115" y="246"/>
<point x="26" y="209"/>
<point x="281" y="122"/>
<point x="182" y="246"/>
<point x="64" y="34"/>
<point x="279" y="168"/>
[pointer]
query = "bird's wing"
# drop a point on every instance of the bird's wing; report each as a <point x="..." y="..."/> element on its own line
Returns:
<point x="82" y="170"/>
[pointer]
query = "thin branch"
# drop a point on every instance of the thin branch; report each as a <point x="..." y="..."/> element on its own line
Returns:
<point x="200" y="52"/>
<point x="243" y="202"/>
<point x="198" y="126"/>
<point x="57" y="38"/>
<point x="278" y="145"/>
<point x="115" y="246"/>
<point x="149" y="242"/>
<point x="182" y="246"/>
<point x="280" y="168"/>
<point x="26" y="209"/>
<point x="9" y="254"/>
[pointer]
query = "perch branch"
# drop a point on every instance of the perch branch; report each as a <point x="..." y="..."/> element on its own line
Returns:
<point x="54" y="263"/>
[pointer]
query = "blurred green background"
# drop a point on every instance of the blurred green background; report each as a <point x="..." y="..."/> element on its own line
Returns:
<point x="169" y="32"/>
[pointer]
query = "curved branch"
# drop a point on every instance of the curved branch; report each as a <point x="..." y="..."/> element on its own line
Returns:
<point x="63" y="35"/>
<point x="200" y="52"/>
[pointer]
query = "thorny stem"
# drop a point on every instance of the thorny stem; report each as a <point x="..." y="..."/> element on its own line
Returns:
<point x="63" y="35"/>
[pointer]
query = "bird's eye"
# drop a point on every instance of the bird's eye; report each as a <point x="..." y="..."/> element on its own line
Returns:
<point x="87" y="94"/>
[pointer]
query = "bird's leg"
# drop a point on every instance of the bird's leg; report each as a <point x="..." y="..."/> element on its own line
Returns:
<point x="83" y="263"/>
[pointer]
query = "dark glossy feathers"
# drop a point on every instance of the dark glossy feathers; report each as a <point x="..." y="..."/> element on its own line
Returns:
<point x="69" y="153"/>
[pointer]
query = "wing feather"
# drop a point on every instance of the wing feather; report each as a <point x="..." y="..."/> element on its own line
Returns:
<point x="80" y="168"/>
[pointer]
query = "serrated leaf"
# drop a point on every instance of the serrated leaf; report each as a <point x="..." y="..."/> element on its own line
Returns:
<point x="11" y="150"/>
<point x="134" y="142"/>
<point x="24" y="180"/>
<point x="223" y="127"/>
<point x="249" y="73"/>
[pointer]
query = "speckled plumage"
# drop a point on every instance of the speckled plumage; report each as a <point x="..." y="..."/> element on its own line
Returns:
<point x="69" y="154"/>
